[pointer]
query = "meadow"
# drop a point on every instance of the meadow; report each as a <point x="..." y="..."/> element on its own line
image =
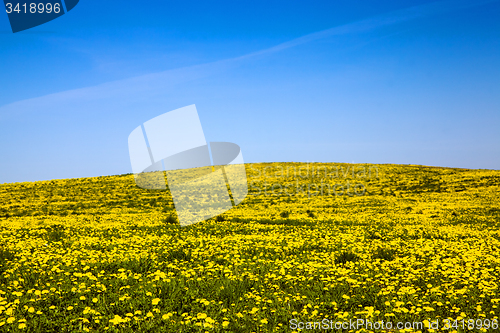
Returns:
<point x="311" y="242"/>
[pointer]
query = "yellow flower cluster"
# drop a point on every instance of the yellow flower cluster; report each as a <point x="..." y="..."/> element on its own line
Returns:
<point x="378" y="242"/>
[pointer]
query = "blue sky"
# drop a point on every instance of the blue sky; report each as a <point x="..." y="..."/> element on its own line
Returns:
<point x="410" y="82"/>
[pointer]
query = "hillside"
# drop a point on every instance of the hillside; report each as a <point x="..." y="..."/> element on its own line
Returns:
<point x="379" y="242"/>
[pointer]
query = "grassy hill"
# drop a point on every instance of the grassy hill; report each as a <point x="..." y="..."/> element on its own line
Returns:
<point x="311" y="242"/>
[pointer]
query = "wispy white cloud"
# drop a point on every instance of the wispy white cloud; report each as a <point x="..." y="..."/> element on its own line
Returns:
<point x="372" y="23"/>
<point x="146" y="86"/>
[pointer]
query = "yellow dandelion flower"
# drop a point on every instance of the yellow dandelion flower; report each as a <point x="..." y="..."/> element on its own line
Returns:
<point x="116" y="320"/>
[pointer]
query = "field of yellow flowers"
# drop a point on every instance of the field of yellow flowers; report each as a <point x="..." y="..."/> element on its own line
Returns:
<point x="311" y="242"/>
